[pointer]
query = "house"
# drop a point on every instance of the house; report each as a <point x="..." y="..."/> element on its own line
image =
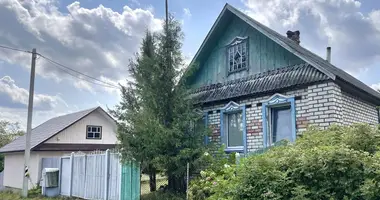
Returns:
<point x="87" y="130"/>
<point x="256" y="86"/>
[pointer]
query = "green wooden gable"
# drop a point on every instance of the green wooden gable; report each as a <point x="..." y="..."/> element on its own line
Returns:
<point x="263" y="53"/>
<point x="269" y="54"/>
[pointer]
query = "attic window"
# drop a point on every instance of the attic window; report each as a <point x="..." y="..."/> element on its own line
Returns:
<point x="237" y="52"/>
<point x="94" y="132"/>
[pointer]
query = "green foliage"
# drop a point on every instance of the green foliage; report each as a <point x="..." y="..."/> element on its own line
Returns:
<point x="9" y="195"/>
<point x="155" y="115"/>
<point x="35" y="192"/>
<point x="337" y="163"/>
<point x="163" y="196"/>
<point x="214" y="179"/>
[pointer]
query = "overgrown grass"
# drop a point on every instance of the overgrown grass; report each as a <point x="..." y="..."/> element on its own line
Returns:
<point x="162" y="196"/>
<point x="8" y="195"/>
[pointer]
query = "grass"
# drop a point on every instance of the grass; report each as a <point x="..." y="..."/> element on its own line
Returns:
<point x="160" y="181"/>
<point x="8" y="195"/>
<point x="162" y="196"/>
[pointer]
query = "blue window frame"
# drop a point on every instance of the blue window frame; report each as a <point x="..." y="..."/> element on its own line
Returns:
<point x="202" y="122"/>
<point x="279" y="119"/>
<point x="233" y="127"/>
<point x="206" y="126"/>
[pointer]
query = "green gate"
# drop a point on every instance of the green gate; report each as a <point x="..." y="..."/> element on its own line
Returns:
<point x="130" y="181"/>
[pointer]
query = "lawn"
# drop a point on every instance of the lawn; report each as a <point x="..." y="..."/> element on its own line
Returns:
<point x="14" y="196"/>
<point x="160" y="181"/>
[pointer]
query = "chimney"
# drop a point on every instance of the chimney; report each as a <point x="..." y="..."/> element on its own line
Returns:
<point x="294" y="35"/>
<point x="328" y="54"/>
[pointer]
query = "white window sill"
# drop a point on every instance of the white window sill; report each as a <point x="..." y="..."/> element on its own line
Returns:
<point x="234" y="149"/>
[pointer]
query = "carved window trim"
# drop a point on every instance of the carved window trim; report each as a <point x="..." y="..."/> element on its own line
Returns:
<point x="237" y="55"/>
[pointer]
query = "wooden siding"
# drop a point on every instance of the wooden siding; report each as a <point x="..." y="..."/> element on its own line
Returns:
<point x="264" y="54"/>
<point x="76" y="133"/>
<point x="14" y="167"/>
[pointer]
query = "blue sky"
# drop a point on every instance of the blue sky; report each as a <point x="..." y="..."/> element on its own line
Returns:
<point x="98" y="37"/>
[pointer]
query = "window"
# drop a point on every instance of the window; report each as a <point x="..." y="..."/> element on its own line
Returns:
<point x="94" y="132"/>
<point x="237" y="55"/>
<point x="234" y="131"/>
<point x="279" y="121"/>
<point x="280" y="125"/>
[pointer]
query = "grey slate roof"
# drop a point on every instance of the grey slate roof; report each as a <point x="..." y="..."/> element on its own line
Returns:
<point x="316" y="61"/>
<point x="269" y="81"/>
<point x="46" y="130"/>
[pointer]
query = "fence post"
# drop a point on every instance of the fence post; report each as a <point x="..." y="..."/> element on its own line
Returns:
<point x="187" y="180"/>
<point x="106" y="175"/>
<point x="237" y="158"/>
<point x="71" y="173"/>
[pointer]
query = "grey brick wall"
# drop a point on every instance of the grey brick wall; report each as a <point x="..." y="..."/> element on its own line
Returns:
<point x="355" y="110"/>
<point x="320" y="105"/>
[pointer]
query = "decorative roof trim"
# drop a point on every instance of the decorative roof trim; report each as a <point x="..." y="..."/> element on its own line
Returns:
<point x="237" y="40"/>
<point x="232" y="106"/>
<point x="278" y="99"/>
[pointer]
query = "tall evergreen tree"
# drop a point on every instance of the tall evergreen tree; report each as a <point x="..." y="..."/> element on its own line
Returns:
<point x="156" y="114"/>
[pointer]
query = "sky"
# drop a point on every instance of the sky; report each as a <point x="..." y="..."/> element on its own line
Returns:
<point x="98" y="37"/>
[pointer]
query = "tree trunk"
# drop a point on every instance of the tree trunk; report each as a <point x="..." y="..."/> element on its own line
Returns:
<point x="176" y="184"/>
<point x="152" y="180"/>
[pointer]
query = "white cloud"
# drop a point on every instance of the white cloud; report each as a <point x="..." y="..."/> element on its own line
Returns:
<point x="376" y="86"/>
<point x="353" y="35"/>
<point x="14" y="102"/>
<point x="187" y="12"/>
<point x="84" y="86"/>
<point x="13" y="96"/>
<point x="97" y="41"/>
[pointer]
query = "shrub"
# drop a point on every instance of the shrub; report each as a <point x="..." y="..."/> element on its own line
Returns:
<point x="337" y="163"/>
<point x="219" y="169"/>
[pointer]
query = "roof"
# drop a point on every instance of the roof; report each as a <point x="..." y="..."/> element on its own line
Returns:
<point x="270" y="81"/>
<point x="316" y="61"/>
<point x="47" y="130"/>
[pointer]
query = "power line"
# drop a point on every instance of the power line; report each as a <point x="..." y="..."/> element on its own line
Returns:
<point x="14" y="49"/>
<point x="81" y="78"/>
<point x="60" y="66"/>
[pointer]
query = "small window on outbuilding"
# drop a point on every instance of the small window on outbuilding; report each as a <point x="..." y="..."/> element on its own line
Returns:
<point x="237" y="52"/>
<point x="94" y="132"/>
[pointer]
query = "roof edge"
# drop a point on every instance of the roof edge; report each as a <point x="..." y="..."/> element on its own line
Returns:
<point x="94" y="109"/>
<point x="255" y="24"/>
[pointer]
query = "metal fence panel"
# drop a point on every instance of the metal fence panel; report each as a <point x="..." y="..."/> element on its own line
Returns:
<point x="130" y="181"/>
<point x="78" y="182"/>
<point x="65" y="172"/>
<point x="86" y="174"/>
<point x="114" y="177"/>
<point x="95" y="176"/>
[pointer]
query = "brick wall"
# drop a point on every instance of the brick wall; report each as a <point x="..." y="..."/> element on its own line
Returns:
<point x="320" y="105"/>
<point x="355" y="110"/>
<point x="323" y="105"/>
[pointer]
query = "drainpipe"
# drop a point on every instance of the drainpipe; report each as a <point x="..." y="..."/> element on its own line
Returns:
<point x="328" y="54"/>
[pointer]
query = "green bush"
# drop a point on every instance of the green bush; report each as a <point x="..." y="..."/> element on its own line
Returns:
<point x="219" y="169"/>
<point x="337" y="163"/>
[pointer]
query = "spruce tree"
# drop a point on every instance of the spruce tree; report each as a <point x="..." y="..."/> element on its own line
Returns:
<point x="156" y="116"/>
